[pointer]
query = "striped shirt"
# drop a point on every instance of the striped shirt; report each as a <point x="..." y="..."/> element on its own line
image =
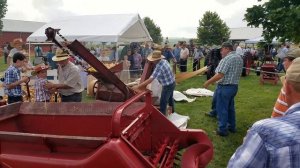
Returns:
<point x="41" y="93"/>
<point x="163" y="73"/>
<point x="231" y="66"/>
<point x="280" y="106"/>
<point x="273" y="142"/>
<point x="12" y="74"/>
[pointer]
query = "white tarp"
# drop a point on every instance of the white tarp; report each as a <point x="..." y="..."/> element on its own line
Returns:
<point x="178" y="96"/>
<point x="259" y="39"/>
<point x="199" y="92"/>
<point x="97" y="28"/>
<point x="180" y="121"/>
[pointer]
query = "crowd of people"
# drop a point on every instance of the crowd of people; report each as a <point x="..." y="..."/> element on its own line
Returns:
<point x="272" y="142"/>
<point x="69" y="84"/>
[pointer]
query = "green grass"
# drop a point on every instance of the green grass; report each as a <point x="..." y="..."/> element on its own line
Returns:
<point x="253" y="102"/>
<point x="3" y="66"/>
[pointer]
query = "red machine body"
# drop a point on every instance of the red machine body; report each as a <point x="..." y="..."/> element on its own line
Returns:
<point x="99" y="134"/>
<point x="128" y="133"/>
<point x="268" y="73"/>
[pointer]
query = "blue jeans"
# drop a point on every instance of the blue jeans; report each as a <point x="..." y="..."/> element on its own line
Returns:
<point x="213" y="111"/>
<point x="166" y="98"/>
<point x="225" y="107"/>
<point x="280" y="66"/>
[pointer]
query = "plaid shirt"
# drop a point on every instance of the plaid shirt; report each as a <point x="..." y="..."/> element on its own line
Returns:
<point x="231" y="66"/>
<point x="146" y="52"/>
<point x="273" y="142"/>
<point x="163" y="73"/>
<point x="12" y="75"/>
<point x="41" y="93"/>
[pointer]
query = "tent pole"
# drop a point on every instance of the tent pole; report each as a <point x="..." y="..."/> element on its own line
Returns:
<point x="29" y="53"/>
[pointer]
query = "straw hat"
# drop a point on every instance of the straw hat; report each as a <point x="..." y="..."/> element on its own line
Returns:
<point x="156" y="55"/>
<point x="60" y="55"/>
<point x="39" y="68"/>
<point x="157" y="47"/>
<point x="293" y="72"/>
<point x="168" y="46"/>
<point x="293" y="53"/>
<point x="17" y="42"/>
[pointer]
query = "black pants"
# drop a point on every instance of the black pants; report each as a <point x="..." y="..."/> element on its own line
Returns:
<point x="196" y="64"/>
<point x="76" y="97"/>
<point x="13" y="99"/>
<point x="5" y="58"/>
<point x="183" y="65"/>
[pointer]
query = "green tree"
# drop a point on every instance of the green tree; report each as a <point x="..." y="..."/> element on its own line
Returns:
<point x="212" y="30"/>
<point x="3" y="9"/>
<point x="154" y="30"/>
<point x="279" y="19"/>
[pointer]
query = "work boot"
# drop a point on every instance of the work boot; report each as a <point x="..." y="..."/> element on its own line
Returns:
<point x="232" y="130"/>
<point x="209" y="114"/>
<point x="223" y="134"/>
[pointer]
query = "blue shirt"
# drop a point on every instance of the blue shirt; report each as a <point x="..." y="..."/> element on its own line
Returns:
<point x="163" y="73"/>
<point x="231" y="66"/>
<point x="176" y="53"/>
<point x="168" y="54"/>
<point x="273" y="142"/>
<point x="146" y="52"/>
<point x="12" y="75"/>
<point x="50" y="61"/>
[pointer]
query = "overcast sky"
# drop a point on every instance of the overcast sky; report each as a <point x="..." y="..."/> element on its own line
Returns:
<point x="176" y="18"/>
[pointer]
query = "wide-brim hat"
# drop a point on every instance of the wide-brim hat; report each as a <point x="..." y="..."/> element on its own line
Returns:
<point x="156" y="55"/>
<point x="293" y="72"/>
<point x="293" y="53"/>
<point x="17" y="42"/>
<point x="60" y="55"/>
<point x="157" y="47"/>
<point x="39" y="68"/>
<point x="168" y="46"/>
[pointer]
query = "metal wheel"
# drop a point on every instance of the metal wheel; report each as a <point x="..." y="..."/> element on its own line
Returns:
<point x="95" y="87"/>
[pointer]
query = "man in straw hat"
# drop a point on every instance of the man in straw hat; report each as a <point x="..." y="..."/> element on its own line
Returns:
<point x="17" y="47"/>
<point x="168" y="53"/>
<point x="275" y="142"/>
<point x="281" y="106"/>
<point x="70" y="84"/>
<point x="165" y="77"/>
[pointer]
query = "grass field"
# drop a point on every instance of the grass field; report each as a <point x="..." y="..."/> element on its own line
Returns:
<point x="253" y="102"/>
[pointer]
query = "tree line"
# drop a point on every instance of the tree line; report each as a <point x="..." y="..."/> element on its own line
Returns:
<point x="279" y="19"/>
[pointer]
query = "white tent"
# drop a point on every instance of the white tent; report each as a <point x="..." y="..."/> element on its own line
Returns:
<point x="97" y="28"/>
<point x="259" y="39"/>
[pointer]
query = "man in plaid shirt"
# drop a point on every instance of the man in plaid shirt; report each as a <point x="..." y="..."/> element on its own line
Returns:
<point x="13" y="79"/>
<point x="165" y="77"/>
<point x="227" y="76"/>
<point x="275" y="142"/>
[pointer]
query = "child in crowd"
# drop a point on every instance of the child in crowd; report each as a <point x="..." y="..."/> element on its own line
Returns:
<point x="41" y="93"/>
<point x="125" y="75"/>
<point x="102" y="56"/>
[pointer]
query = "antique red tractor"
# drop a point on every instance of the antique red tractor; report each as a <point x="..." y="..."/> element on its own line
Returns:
<point x="99" y="134"/>
<point x="127" y="132"/>
<point x="268" y="72"/>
